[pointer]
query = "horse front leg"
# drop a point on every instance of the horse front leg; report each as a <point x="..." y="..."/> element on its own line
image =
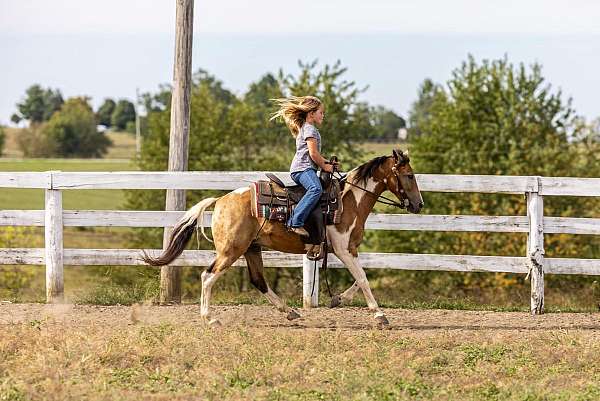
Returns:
<point x="353" y="265"/>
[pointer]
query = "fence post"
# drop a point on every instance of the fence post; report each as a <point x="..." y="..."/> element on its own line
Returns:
<point x="535" y="248"/>
<point x="310" y="274"/>
<point x="53" y="228"/>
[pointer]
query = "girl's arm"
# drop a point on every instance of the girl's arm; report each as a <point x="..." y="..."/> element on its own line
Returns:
<point x="314" y="154"/>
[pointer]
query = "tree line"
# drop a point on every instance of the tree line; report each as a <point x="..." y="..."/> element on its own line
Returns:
<point x="60" y="128"/>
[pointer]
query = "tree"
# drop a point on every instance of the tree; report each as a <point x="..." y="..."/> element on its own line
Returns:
<point x="494" y="118"/>
<point x="123" y="113"/>
<point x="73" y="130"/>
<point x="342" y="127"/>
<point x="419" y="114"/>
<point x="39" y="105"/>
<point x="385" y="124"/>
<point x="105" y="111"/>
<point x="33" y="142"/>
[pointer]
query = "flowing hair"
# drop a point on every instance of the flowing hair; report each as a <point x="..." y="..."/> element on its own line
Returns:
<point x="294" y="110"/>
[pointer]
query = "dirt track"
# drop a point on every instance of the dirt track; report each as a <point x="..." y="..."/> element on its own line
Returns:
<point x="320" y="318"/>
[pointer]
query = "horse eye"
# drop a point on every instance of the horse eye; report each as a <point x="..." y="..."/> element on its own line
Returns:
<point x="411" y="176"/>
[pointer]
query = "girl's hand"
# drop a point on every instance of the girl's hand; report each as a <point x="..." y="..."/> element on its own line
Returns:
<point x="328" y="168"/>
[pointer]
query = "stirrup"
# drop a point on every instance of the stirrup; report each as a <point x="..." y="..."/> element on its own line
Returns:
<point x="311" y="255"/>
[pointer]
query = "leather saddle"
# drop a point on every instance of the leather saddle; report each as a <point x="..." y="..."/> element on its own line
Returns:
<point x="273" y="200"/>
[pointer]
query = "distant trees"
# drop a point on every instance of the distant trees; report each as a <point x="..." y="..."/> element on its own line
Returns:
<point x="119" y="115"/>
<point x="38" y="105"/>
<point x="386" y="124"/>
<point x="70" y="132"/>
<point x="105" y="111"/>
<point x="123" y="114"/>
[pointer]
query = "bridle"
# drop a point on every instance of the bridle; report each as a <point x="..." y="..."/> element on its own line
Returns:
<point x="403" y="197"/>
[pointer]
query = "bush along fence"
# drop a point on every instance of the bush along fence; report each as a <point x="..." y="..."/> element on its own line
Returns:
<point x="54" y="218"/>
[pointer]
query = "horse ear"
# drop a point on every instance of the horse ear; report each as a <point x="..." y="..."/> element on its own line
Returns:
<point x="396" y="155"/>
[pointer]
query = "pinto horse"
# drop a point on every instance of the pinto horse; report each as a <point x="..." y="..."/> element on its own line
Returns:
<point x="236" y="232"/>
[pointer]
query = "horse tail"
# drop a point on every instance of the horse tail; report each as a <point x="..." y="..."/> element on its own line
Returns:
<point x="181" y="234"/>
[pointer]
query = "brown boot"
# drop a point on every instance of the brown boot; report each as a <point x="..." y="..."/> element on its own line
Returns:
<point x="315" y="253"/>
<point x="300" y="231"/>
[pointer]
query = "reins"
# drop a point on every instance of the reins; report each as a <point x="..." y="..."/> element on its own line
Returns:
<point x="390" y="202"/>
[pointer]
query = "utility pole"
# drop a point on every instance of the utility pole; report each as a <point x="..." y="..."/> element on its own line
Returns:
<point x="170" y="276"/>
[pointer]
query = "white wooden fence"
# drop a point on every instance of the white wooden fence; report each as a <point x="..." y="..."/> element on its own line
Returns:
<point x="54" y="218"/>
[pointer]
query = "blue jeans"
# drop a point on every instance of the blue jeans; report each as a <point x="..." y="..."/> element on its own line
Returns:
<point x="309" y="180"/>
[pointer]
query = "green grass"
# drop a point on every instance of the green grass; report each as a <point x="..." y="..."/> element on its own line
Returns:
<point x="77" y="199"/>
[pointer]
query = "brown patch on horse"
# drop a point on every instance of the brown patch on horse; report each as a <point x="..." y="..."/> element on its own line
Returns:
<point x="375" y="170"/>
<point x="275" y="236"/>
<point x="255" y="267"/>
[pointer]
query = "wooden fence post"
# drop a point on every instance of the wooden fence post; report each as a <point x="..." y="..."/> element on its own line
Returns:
<point x="53" y="227"/>
<point x="170" y="276"/>
<point x="310" y="275"/>
<point x="535" y="249"/>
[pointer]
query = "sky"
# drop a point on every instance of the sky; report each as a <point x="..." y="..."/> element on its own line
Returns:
<point x="109" y="48"/>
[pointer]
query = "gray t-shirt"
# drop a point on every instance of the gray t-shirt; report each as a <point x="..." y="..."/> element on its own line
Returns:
<point x="302" y="160"/>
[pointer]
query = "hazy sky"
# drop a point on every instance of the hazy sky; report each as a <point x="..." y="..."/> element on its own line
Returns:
<point x="108" y="48"/>
<point x="307" y="16"/>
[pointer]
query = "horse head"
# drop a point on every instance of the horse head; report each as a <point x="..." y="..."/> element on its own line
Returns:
<point x="400" y="180"/>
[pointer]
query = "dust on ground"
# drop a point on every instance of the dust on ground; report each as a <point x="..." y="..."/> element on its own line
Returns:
<point x="351" y="318"/>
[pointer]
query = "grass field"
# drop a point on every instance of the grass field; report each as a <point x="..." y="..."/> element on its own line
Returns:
<point x="80" y="199"/>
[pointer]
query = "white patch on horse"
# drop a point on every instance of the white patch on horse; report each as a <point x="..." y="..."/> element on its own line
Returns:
<point x="241" y="190"/>
<point x="359" y="193"/>
<point x="208" y="280"/>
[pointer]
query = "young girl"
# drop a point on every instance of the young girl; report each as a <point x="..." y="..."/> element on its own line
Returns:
<point x="302" y="115"/>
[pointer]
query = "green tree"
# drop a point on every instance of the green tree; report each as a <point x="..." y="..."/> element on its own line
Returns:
<point x="33" y="142"/>
<point x="123" y="113"/>
<point x="73" y="130"/>
<point x="494" y="118"/>
<point x="39" y="105"/>
<point x="385" y="124"/>
<point x="342" y="127"/>
<point x="105" y="111"/>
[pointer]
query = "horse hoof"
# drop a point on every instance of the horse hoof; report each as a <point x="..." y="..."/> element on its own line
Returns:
<point x="336" y="301"/>
<point x="215" y="323"/>
<point x="382" y="322"/>
<point x="293" y="315"/>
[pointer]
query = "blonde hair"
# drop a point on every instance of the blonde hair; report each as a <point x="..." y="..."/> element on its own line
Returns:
<point x="294" y="110"/>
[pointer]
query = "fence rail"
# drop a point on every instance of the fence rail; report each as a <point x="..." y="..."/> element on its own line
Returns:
<point x="535" y="224"/>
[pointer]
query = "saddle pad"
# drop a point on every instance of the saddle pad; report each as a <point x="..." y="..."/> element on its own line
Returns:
<point x="264" y="205"/>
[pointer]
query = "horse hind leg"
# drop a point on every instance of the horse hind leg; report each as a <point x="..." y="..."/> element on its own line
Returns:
<point x="255" y="268"/>
<point x="209" y="277"/>
<point x="345" y="297"/>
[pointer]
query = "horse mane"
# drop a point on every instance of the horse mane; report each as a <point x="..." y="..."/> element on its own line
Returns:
<point x="366" y="170"/>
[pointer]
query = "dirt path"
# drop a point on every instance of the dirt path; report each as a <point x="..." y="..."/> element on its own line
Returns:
<point x="320" y="318"/>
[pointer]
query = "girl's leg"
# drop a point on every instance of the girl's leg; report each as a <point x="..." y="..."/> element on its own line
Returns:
<point x="309" y="180"/>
